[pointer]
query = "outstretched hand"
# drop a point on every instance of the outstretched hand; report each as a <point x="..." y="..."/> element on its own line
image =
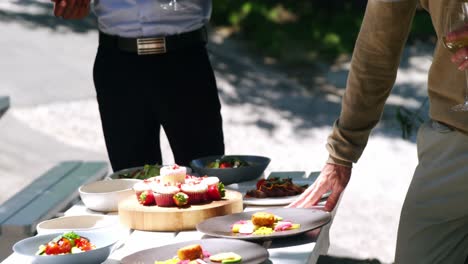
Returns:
<point x="71" y="9"/>
<point x="333" y="178"/>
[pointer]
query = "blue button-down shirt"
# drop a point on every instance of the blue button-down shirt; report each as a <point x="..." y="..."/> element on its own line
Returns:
<point x="143" y="18"/>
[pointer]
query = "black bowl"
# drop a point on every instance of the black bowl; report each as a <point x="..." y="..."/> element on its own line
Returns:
<point x="256" y="166"/>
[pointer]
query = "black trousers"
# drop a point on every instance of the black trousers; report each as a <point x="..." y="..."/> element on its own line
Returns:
<point x="139" y="94"/>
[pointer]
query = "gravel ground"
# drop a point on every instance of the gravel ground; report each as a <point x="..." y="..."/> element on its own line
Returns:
<point x="47" y="72"/>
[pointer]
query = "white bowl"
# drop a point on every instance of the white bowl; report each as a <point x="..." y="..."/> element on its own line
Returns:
<point x="77" y="223"/>
<point x="105" y="195"/>
<point x="104" y="244"/>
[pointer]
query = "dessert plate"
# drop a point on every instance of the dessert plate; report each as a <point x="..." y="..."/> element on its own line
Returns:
<point x="308" y="219"/>
<point x="251" y="253"/>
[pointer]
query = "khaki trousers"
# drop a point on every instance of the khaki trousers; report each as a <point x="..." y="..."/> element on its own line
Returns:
<point x="434" y="219"/>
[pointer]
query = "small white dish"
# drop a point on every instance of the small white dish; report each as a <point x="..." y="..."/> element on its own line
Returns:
<point x="79" y="223"/>
<point x="105" y="195"/>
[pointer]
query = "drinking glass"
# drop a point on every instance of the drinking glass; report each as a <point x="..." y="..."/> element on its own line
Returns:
<point x="173" y="5"/>
<point x="456" y="23"/>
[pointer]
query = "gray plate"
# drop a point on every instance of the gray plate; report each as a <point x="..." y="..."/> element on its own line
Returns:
<point x="308" y="219"/>
<point x="251" y="253"/>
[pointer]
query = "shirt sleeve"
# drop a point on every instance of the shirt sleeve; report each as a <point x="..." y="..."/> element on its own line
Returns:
<point x="374" y="65"/>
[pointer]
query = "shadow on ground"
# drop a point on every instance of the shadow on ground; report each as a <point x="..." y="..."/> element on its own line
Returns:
<point x="336" y="260"/>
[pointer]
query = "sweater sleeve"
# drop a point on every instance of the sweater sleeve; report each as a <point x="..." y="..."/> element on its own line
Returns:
<point x="374" y="66"/>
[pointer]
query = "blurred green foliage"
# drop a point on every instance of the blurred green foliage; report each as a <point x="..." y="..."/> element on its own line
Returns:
<point x="301" y="31"/>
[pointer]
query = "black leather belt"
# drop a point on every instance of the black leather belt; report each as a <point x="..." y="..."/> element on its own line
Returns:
<point x="154" y="45"/>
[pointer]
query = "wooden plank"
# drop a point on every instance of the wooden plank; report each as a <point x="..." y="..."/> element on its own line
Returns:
<point x="33" y="190"/>
<point x="57" y="197"/>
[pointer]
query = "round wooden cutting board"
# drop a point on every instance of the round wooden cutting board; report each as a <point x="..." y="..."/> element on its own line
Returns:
<point x="155" y="218"/>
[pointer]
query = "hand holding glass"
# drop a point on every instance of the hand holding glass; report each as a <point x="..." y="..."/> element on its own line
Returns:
<point x="172" y="5"/>
<point x="455" y="38"/>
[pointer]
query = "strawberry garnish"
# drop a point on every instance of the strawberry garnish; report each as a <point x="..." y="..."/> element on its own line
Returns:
<point x="147" y="198"/>
<point x="180" y="199"/>
<point x="216" y="192"/>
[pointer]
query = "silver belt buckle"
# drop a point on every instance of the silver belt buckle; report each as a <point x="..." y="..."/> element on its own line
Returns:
<point x="147" y="46"/>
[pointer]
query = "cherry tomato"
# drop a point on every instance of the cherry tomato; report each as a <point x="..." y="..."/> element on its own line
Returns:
<point x="260" y="183"/>
<point x="224" y="165"/>
<point x="52" y="248"/>
<point x="64" y="246"/>
<point x="83" y="244"/>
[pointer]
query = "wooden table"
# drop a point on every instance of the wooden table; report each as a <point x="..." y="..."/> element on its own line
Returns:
<point x="300" y="249"/>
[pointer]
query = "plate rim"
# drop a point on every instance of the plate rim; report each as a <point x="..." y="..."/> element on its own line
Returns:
<point x="267" y="237"/>
<point x="265" y="255"/>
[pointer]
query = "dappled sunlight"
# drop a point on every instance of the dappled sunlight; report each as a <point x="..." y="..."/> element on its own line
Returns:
<point x="39" y="14"/>
<point x="248" y="81"/>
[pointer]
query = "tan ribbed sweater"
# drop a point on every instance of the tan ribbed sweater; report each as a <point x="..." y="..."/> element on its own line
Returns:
<point x="374" y="65"/>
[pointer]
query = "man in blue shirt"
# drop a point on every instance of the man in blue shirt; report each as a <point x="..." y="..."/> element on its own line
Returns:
<point x="151" y="70"/>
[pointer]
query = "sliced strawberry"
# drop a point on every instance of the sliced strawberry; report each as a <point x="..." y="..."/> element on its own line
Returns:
<point x="147" y="198"/>
<point x="180" y="199"/>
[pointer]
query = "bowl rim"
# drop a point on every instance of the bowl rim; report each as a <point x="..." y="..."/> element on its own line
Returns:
<point x="50" y="236"/>
<point x="114" y="174"/>
<point x="110" y="221"/>
<point x="266" y="161"/>
<point x="80" y="189"/>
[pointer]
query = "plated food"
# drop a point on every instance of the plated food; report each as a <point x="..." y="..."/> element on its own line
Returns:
<point x="194" y="254"/>
<point x="299" y="220"/>
<point x="66" y="243"/>
<point x="99" y="249"/>
<point x="226" y="162"/>
<point x="213" y="251"/>
<point x="231" y="168"/>
<point x="174" y="187"/>
<point x="263" y="223"/>
<point x="141" y="173"/>
<point x="275" y="187"/>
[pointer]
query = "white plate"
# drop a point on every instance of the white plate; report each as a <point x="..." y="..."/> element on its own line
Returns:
<point x="297" y="176"/>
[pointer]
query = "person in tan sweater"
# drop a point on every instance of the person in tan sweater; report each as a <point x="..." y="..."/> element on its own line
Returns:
<point x="434" y="219"/>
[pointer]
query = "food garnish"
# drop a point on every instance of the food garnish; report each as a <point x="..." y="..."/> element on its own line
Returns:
<point x="180" y="199"/>
<point x="226" y="257"/>
<point x="216" y="192"/>
<point x="146" y="198"/>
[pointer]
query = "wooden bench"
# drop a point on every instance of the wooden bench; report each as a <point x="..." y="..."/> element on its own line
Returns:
<point x="4" y="104"/>
<point x="48" y="195"/>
